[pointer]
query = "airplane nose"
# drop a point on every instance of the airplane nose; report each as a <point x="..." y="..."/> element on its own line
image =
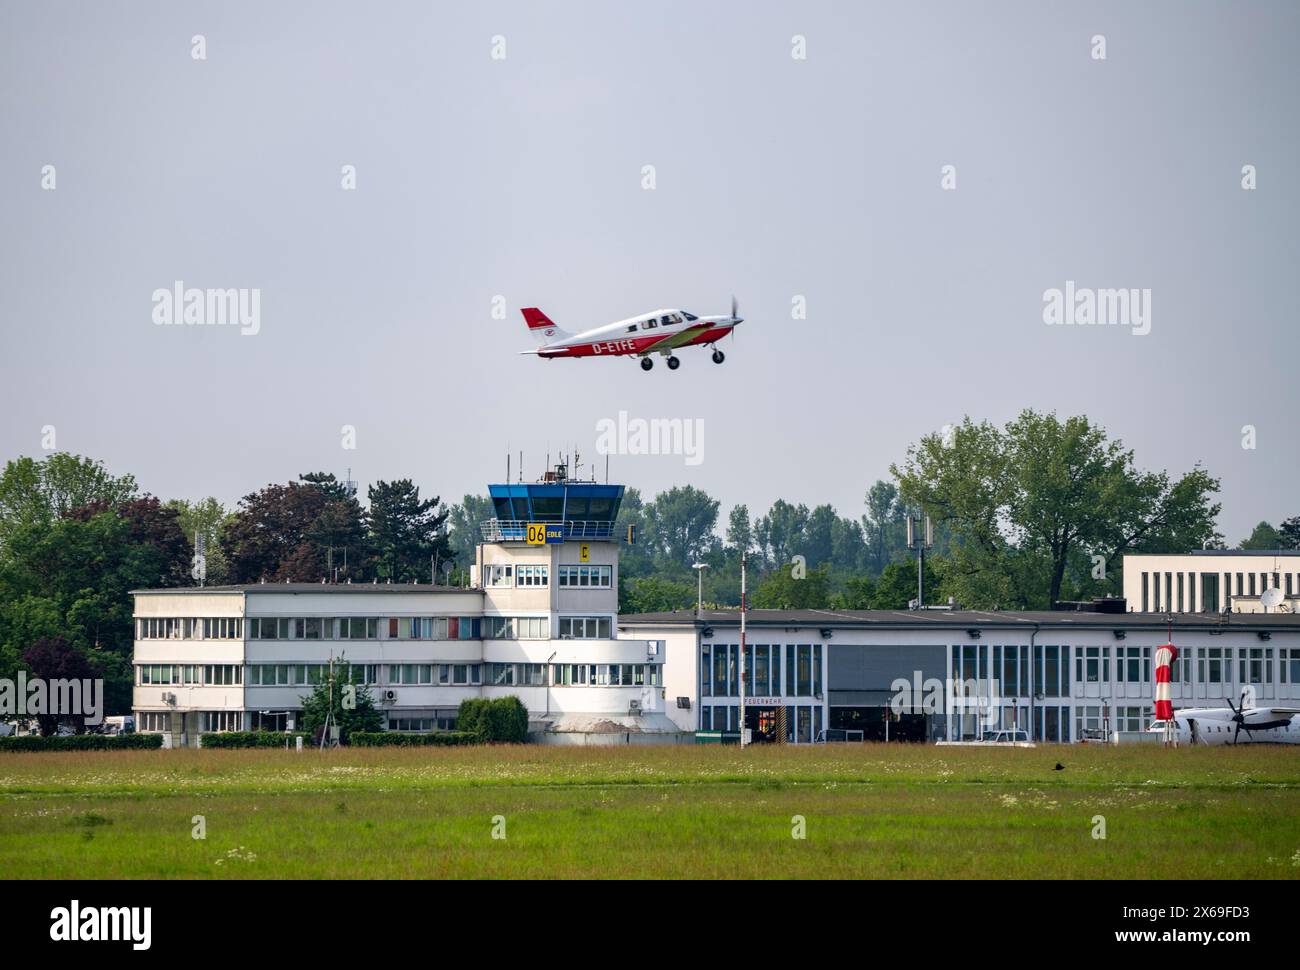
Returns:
<point x="736" y="320"/>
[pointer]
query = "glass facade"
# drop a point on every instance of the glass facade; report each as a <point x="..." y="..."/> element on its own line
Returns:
<point x="784" y="690"/>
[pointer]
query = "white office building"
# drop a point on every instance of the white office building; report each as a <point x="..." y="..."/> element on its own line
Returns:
<point x="953" y="675"/>
<point x="1211" y="581"/>
<point x="538" y="622"/>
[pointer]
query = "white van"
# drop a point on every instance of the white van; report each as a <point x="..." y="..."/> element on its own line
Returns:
<point x="118" y="724"/>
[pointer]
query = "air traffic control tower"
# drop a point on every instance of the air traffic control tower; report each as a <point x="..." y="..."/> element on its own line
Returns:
<point x="548" y="568"/>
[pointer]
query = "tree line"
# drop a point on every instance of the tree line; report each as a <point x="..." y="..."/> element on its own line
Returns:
<point x="76" y="539"/>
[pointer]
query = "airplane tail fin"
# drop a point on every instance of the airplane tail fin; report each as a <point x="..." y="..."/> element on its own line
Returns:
<point x="539" y="322"/>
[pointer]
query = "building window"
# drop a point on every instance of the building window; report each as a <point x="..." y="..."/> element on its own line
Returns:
<point x="499" y="675"/>
<point x="1180" y="670"/>
<point x="1092" y="665"/>
<point x="1132" y="718"/>
<point x="464" y="628"/>
<point x="1289" y="667"/>
<point x="758" y="669"/>
<point x="724" y="670"/>
<point x="515" y="628"/>
<point x="532" y="675"/>
<point x="410" y="674"/>
<point x="276" y="675"/>
<point x="533" y="576"/>
<point x="358" y="628"/>
<point x="1256" y="666"/>
<point x="222" y="628"/>
<point x="1087" y="719"/>
<point x="168" y="675"/>
<point x="1134" y="664"/>
<point x="1211" y="665"/>
<point x="223" y="675"/>
<point x="499" y="574"/>
<point x="586" y="577"/>
<point x="458" y="675"/>
<point x="153" y="721"/>
<point x="1053" y="670"/>
<point x="584" y="628"/>
<point x="569" y="675"/>
<point x="413" y="724"/>
<point x="215" y="722"/>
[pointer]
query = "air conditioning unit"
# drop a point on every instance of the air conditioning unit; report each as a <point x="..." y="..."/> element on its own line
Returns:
<point x="390" y="697"/>
<point x="684" y="703"/>
<point x="169" y="698"/>
<point x="634" y="707"/>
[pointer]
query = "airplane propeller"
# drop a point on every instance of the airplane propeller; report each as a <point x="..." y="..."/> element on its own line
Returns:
<point x="1238" y="716"/>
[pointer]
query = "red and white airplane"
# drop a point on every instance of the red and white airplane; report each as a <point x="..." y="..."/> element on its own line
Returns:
<point x="660" y="332"/>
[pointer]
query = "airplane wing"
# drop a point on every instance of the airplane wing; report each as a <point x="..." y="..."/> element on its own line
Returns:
<point x="671" y="340"/>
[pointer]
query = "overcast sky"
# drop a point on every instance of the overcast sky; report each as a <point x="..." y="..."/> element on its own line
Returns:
<point x="775" y="177"/>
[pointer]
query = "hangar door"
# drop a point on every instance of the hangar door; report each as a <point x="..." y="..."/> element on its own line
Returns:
<point x="859" y="679"/>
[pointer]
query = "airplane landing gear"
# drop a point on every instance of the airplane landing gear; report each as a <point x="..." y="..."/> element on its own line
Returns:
<point x="646" y="363"/>
<point x="674" y="363"/>
<point x="719" y="357"/>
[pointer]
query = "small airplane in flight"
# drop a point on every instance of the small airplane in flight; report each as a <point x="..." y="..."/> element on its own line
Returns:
<point x="1225" y="725"/>
<point x="660" y="332"/>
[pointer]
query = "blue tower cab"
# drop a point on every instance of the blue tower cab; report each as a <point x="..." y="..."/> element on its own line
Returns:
<point x="566" y="509"/>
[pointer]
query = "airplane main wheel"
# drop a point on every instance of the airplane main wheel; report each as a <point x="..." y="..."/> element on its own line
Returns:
<point x="719" y="357"/>
<point x="646" y="363"/>
<point x="674" y="363"/>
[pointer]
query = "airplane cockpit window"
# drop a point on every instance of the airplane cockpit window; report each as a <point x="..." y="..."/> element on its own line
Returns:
<point x="691" y="317"/>
<point x="677" y="318"/>
<point x="666" y="320"/>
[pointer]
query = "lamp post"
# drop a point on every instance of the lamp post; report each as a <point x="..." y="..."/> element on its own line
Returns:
<point x="699" y="568"/>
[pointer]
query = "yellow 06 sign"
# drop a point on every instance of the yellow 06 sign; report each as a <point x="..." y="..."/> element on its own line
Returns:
<point x="536" y="534"/>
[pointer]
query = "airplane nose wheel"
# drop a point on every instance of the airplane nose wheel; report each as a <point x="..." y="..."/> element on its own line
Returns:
<point x="674" y="363"/>
<point x="719" y="357"/>
<point x="646" y="363"/>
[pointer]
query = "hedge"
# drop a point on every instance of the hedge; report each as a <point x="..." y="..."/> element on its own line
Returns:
<point x="502" y="719"/>
<point x="251" y="739"/>
<point x="81" y="742"/>
<point x="384" y="739"/>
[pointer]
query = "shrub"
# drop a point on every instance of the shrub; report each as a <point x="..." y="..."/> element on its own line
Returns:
<point x="472" y="718"/>
<point x="502" y="719"/>
<point x="82" y="742"/>
<point x="395" y="739"/>
<point x="508" y="720"/>
<point x="250" y="739"/>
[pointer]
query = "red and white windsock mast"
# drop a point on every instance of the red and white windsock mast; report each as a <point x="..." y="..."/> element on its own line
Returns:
<point x="1166" y="654"/>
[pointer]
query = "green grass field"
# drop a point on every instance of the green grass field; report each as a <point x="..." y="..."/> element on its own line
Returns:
<point x="870" y="811"/>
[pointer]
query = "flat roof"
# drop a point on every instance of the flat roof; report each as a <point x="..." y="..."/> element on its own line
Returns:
<point x="312" y="588"/>
<point x="966" y="619"/>
<point x="1270" y="553"/>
